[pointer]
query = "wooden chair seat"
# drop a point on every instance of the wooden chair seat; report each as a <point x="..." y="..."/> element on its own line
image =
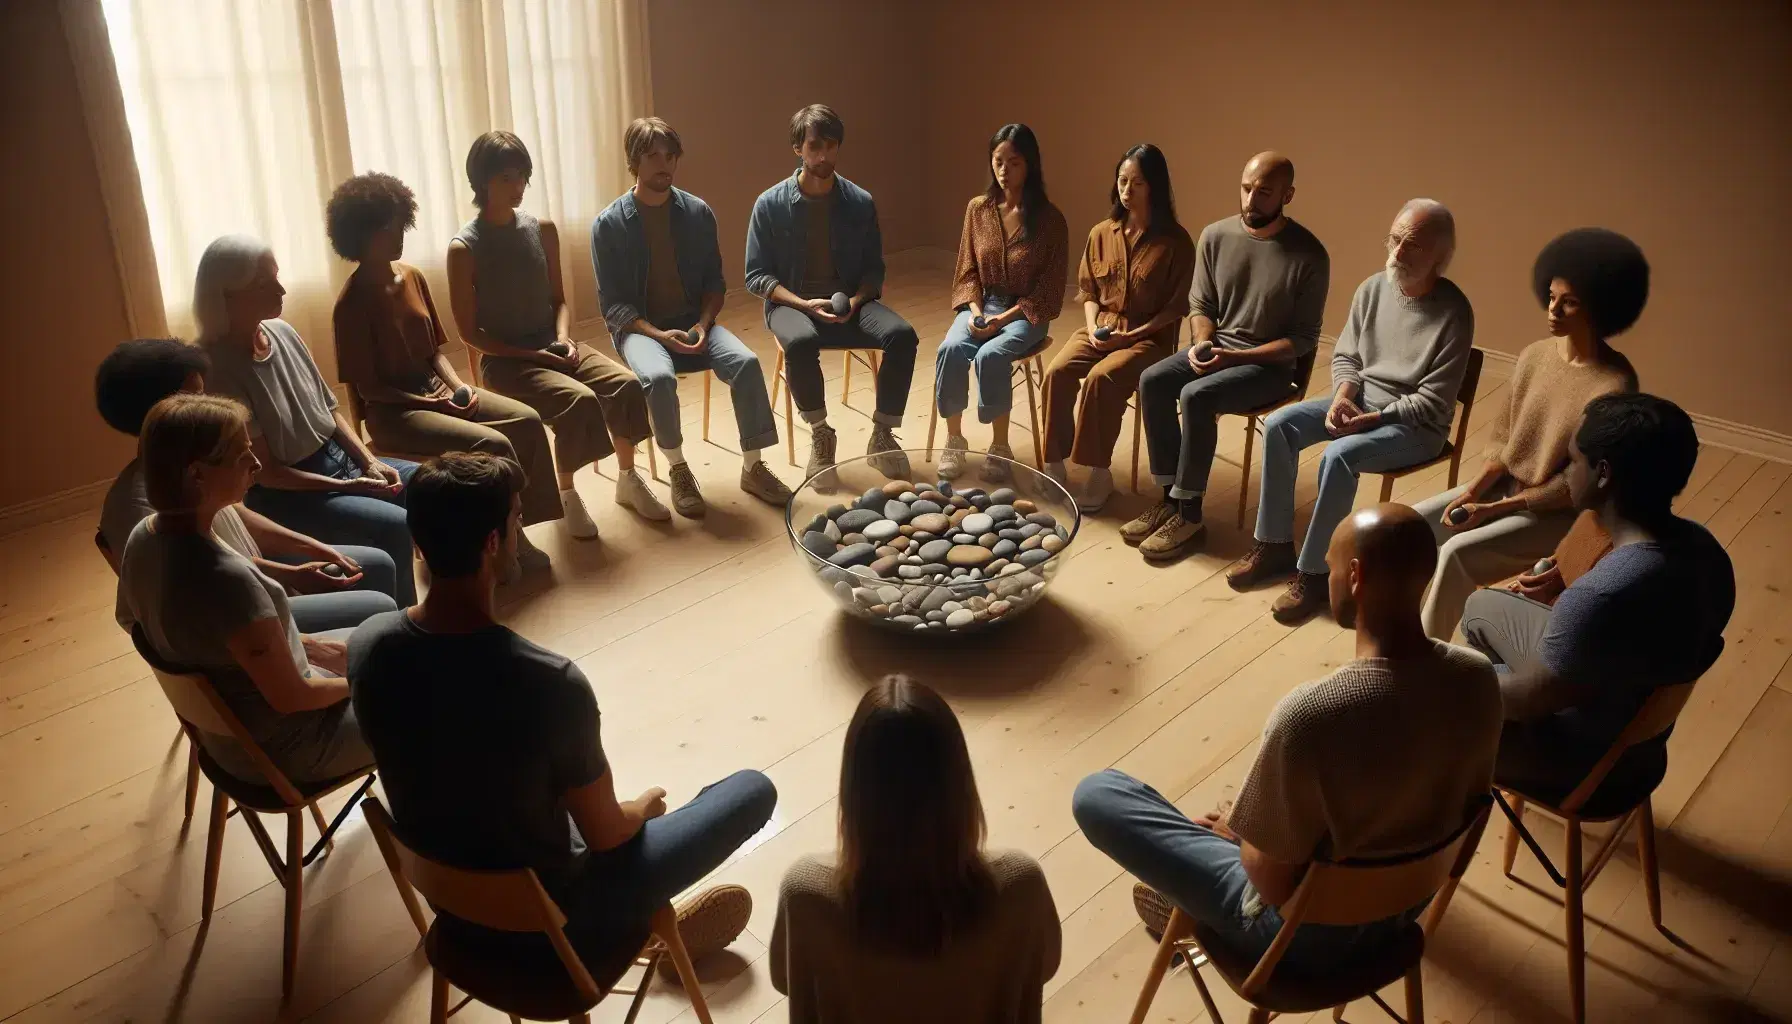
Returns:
<point x="1290" y="990"/>
<point x="1452" y="449"/>
<point x="1620" y="793"/>
<point x="525" y="979"/>
<point x="265" y="798"/>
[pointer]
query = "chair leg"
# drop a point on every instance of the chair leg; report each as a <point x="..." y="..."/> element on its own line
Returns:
<point x="1645" y="855"/>
<point x="1260" y="1016"/>
<point x="1033" y="413"/>
<point x="789" y="415"/>
<point x="653" y="461"/>
<point x="846" y="378"/>
<point x="1244" y="467"/>
<point x="708" y="379"/>
<point x="933" y="424"/>
<point x="1176" y="928"/>
<point x="438" y="998"/>
<point x="1415" y="995"/>
<point x="583" y="1018"/>
<point x="192" y="781"/>
<point x="295" y="899"/>
<point x="1387" y="489"/>
<point x="665" y="925"/>
<point x="1577" y="942"/>
<point x="1338" y="1011"/>
<point x="214" y="851"/>
<point x="1511" y="854"/>
<point x="323" y="826"/>
<point x="778" y="377"/>
<point x="1136" y="417"/>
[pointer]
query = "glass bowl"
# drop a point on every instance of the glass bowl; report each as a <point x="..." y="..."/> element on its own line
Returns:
<point x="898" y="549"/>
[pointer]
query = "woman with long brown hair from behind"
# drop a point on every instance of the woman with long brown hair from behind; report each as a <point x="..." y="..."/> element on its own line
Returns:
<point x="912" y="920"/>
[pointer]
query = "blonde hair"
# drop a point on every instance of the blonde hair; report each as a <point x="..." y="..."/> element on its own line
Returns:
<point x="229" y="264"/>
<point x="181" y="431"/>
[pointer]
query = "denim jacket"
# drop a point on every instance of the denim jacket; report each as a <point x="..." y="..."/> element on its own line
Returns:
<point x="775" y="240"/>
<point x="619" y="255"/>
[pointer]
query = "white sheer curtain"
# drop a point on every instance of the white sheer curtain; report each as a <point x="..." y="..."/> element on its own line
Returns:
<point x="243" y="116"/>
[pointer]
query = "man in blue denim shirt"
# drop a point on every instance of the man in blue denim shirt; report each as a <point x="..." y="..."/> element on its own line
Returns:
<point x="659" y="279"/>
<point x="814" y="235"/>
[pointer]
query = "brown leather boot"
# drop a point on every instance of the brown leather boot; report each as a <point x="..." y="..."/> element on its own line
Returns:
<point x="1306" y="595"/>
<point x="1264" y="562"/>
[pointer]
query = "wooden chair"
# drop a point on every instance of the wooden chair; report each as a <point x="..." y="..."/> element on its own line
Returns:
<point x="357" y="415"/>
<point x="870" y="358"/>
<point x="202" y="710"/>
<point x="1627" y="803"/>
<point x="1465" y="397"/>
<point x="1332" y="893"/>
<point x="1031" y="367"/>
<point x="106" y="552"/>
<point x="512" y="901"/>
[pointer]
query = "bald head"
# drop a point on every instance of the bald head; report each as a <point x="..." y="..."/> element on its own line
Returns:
<point x="1266" y="187"/>
<point x="1381" y="559"/>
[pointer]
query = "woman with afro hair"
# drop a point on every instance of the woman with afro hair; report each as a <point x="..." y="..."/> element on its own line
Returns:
<point x="389" y="350"/>
<point x="1592" y="284"/>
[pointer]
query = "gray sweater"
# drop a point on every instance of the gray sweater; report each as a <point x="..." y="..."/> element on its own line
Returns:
<point x="1259" y="290"/>
<point x="1408" y="355"/>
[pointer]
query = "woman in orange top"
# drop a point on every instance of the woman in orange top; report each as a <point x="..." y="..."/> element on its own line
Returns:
<point x="1133" y="283"/>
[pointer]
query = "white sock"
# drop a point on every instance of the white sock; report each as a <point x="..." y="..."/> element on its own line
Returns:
<point x="674" y="456"/>
<point x="749" y="457"/>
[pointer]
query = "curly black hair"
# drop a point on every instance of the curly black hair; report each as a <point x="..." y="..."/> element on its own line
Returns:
<point x="1650" y="445"/>
<point x="1605" y="269"/>
<point x="363" y="205"/>
<point x="138" y="374"/>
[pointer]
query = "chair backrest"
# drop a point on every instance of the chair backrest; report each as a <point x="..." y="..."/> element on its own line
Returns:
<point x="106" y="552"/>
<point x="197" y="704"/>
<point x="1359" y="892"/>
<point x="510" y="901"/>
<point x="1465" y="396"/>
<point x="1655" y="717"/>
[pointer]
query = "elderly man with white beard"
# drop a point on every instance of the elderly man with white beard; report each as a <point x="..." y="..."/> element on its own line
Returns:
<point x="1395" y="372"/>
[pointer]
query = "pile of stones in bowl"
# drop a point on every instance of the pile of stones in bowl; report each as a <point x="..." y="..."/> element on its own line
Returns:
<point x="935" y="557"/>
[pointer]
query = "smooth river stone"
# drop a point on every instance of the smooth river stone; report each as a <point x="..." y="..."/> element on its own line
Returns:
<point x="835" y="511"/>
<point x="943" y="488"/>
<point x="834" y="574"/>
<point x="988" y="540"/>
<point x="907" y="496"/>
<point x="907" y="620"/>
<point x="881" y="530"/>
<point x="857" y="554"/>
<point x="1034" y="557"/>
<point x="817" y="544"/>
<point x="909" y="572"/>
<point x="896" y="512"/>
<point x="960" y="501"/>
<point x="936" y="599"/>
<point x="1001" y="513"/>
<point x="872" y="499"/>
<point x="1031" y="530"/>
<point x="1051" y="542"/>
<point x="950" y="606"/>
<point x="885" y="566"/>
<point x="1014" y="535"/>
<point x="980" y="502"/>
<point x="922" y="506"/>
<point x="963" y="538"/>
<point x="1002" y="496"/>
<point x="852" y="538"/>
<point x="934" y="496"/>
<point x="1004" y="549"/>
<point x="832" y="529"/>
<point x="816" y="523"/>
<point x="977" y="523"/>
<point x="1031" y="543"/>
<point x="1025" y="507"/>
<point x="968" y="555"/>
<point x="935" y="616"/>
<point x="993" y="568"/>
<point x="888" y="595"/>
<point x="933" y="550"/>
<point x="960" y="618"/>
<point x="856" y="520"/>
<point x="1042" y="519"/>
<point x="896" y="487"/>
<point x="932" y="522"/>
<point x="998" y="607"/>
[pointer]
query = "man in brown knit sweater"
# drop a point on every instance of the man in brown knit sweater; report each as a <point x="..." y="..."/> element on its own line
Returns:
<point x="1385" y="757"/>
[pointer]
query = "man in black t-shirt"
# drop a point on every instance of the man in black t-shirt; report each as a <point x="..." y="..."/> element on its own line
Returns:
<point x="488" y="745"/>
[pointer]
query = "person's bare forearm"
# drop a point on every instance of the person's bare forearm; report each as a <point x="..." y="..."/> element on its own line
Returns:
<point x="285" y="478"/>
<point x="785" y="297"/>
<point x="712" y="308"/>
<point x="1200" y="329"/>
<point x="562" y="319"/>
<point x="1091" y="310"/>
<point x="274" y="539"/>
<point x="445" y="370"/>
<point x="350" y="439"/>
<point x="1280" y="350"/>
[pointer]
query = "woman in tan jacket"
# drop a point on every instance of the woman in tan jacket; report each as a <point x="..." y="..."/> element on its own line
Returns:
<point x="912" y="921"/>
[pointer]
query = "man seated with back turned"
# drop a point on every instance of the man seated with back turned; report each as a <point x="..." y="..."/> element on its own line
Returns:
<point x="488" y="745"/>
<point x="1386" y="757"/>
<point x="1650" y="613"/>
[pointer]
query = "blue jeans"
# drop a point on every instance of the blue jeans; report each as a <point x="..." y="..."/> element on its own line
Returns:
<point x="338" y="518"/>
<point x="1292" y="428"/>
<point x="346" y="609"/>
<point x="994" y="360"/>
<point x="1201" y="872"/>
<point x="734" y="364"/>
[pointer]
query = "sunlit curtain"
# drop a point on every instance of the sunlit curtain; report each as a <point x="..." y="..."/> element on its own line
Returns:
<point x="243" y="117"/>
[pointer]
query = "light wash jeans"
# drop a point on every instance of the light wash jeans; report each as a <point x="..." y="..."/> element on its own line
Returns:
<point x="1201" y="872"/>
<point x="1292" y="428"/>
<point x="734" y="364"/>
<point x="346" y="609"/>
<point x="994" y="360"/>
<point x="335" y="517"/>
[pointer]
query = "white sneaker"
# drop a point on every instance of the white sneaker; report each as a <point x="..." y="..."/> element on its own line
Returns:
<point x="578" y="521"/>
<point x="1096" y="491"/>
<point x="632" y="492"/>
<point x="952" y="456"/>
<point x="529" y="557"/>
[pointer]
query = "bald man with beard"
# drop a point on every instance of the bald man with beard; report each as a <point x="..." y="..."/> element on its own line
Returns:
<point x="1385" y="757"/>
<point x="1254" y="314"/>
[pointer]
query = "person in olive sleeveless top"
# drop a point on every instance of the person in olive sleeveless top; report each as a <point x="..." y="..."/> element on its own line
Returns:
<point x="509" y="305"/>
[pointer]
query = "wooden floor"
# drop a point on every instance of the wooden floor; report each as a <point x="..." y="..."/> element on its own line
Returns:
<point x="711" y="651"/>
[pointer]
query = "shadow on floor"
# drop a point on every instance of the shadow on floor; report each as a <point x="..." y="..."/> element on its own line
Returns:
<point x="1023" y="656"/>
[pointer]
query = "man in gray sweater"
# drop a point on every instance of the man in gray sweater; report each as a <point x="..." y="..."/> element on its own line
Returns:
<point x="1255" y="309"/>
<point x="1395" y="372"/>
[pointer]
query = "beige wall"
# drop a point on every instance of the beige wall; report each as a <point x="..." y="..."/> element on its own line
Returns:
<point x="60" y="291"/>
<point x="1671" y="122"/>
<point x="727" y="74"/>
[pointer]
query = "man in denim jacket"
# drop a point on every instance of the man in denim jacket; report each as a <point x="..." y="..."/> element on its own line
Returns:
<point x="659" y="279"/>
<point x="813" y="236"/>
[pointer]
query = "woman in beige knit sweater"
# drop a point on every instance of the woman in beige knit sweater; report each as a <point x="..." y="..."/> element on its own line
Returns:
<point x="1593" y="284"/>
<point x="912" y="921"/>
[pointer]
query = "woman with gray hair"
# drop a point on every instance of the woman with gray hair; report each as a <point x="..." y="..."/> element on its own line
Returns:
<point x="317" y="476"/>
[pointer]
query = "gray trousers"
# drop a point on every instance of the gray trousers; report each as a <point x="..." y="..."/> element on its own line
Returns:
<point x="1491" y="552"/>
<point x="734" y="364"/>
<point x="1182" y="452"/>
<point x="875" y="326"/>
